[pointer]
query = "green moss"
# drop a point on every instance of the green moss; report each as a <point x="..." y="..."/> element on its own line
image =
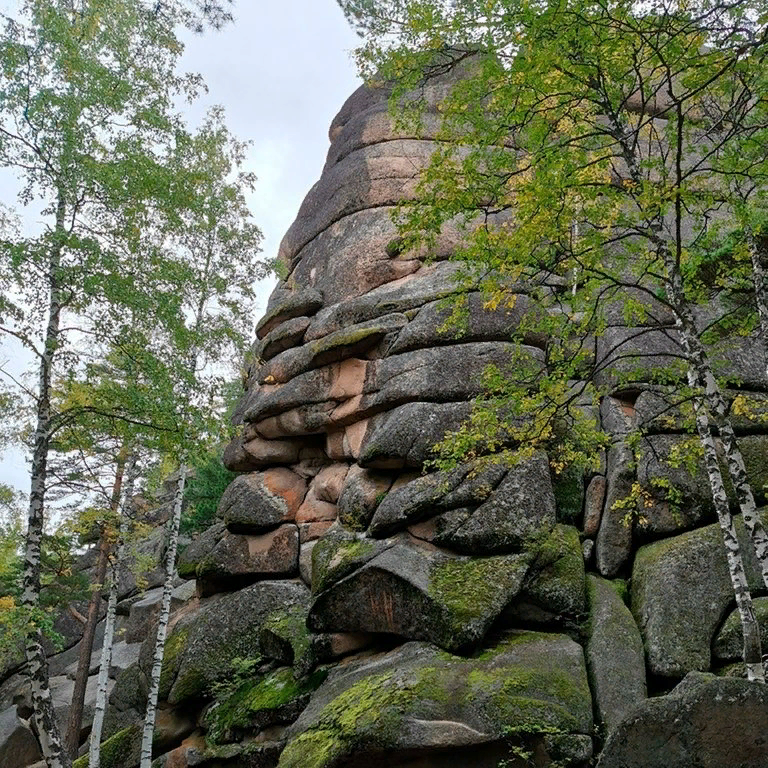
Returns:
<point x="117" y="751"/>
<point x="186" y="569"/>
<point x="291" y="627"/>
<point x="312" y="749"/>
<point x="334" y="558"/>
<point x="175" y="646"/>
<point x="462" y="585"/>
<point x="241" y="709"/>
<point x="621" y="588"/>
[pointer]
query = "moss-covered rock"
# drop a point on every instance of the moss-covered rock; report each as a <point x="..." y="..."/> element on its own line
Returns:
<point x="200" y="647"/>
<point x="277" y="698"/>
<point x="681" y="592"/>
<point x="418" y="701"/>
<point x="419" y="592"/>
<point x="615" y="656"/>
<point x="120" y="751"/>
<point x="340" y="552"/>
<point x="729" y="642"/>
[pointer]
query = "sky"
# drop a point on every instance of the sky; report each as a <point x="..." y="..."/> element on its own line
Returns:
<point x="281" y="71"/>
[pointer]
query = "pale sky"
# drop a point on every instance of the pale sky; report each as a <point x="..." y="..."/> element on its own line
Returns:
<point x="282" y="71"/>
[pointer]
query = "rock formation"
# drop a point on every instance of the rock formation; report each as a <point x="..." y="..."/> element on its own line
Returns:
<point x="352" y="610"/>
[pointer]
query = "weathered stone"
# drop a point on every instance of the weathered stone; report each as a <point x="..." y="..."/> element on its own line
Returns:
<point x="418" y="703"/>
<point x="429" y="284"/>
<point x="352" y="257"/>
<point x="199" y="550"/>
<point x="259" y="703"/>
<point x="298" y="304"/>
<point x="340" y="552"/>
<point x="661" y="411"/>
<point x="305" y="561"/>
<point x="497" y="509"/>
<point x="313" y="510"/>
<point x="263" y="453"/>
<point x="18" y="745"/>
<point x="681" y="592"/>
<point x="632" y="357"/>
<point x="241" y="559"/>
<point x="421" y="593"/>
<point x="357" y="389"/>
<point x="706" y="722"/>
<point x="556" y="579"/>
<point x="613" y="546"/>
<point x="373" y="176"/>
<point x="352" y="341"/>
<point x="329" y="481"/>
<point x="363" y="491"/>
<point x="729" y="642"/>
<point x="62" y="689"/>
<point x="405" y="436"/>
<point x="432" y="325"/>
<point x="679" y="498"/>
<point x="615" y="656"/>
<point x="261" y="501"/>
<point x="593" y="505"/>
<point x="617" y="415"/>
<point x="144" y="613"/>
<point x="285" y="336"/>
<point x="200" y="647"/>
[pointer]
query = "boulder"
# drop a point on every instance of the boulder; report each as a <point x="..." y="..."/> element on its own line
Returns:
<point x="729" y="641"/>
<point x="421" y="593"/>
<point x="201" y="646"/>
<point x="681" y="592"/>
<point x="241" y="559"/>
<point x="474" y="321"/>
<point x="18" y="745"/>
<point x="613" y="546"/>
<point x="291" y="305"/>
<point x="486" y="510"/>
<point x="419" y="703"/>
<point x="362" y="493"/>
<point x="615" y="656"/>
<point x="261" y="501"/>
<point x="405" y="436"/>
<point x="707" y="722"/>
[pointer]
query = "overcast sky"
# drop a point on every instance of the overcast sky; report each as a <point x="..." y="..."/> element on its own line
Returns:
<point x="281" y="71"/>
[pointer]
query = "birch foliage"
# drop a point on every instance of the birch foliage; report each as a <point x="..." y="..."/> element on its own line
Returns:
<point x="596" y="152"/>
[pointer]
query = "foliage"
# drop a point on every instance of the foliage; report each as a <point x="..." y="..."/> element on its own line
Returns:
<point x="203" y="490"/>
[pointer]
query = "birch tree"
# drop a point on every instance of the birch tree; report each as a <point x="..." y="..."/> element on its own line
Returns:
<point x="85" y="117"/>
<point x="642" y="127"/>
<point x="216" y="244"/>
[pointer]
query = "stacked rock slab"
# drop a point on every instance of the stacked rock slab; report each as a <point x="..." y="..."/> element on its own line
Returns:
<point x="355" y="610"/>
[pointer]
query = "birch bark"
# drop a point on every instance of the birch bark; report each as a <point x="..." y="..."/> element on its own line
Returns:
<point x="162" y="625"/>
<point x="37" y="664"/>
<point x="72" y="736"/>
<point x="94" y="751"/>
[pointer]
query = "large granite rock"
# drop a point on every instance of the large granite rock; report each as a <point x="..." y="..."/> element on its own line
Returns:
<point x="420" y="703"/>
<point x="706" y="722"/>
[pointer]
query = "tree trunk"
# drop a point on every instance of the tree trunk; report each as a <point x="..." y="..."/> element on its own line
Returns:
<point x="760" y="279"/>
<point x="100" y="707"/>
<point x="752" y="652"/>
<point x="37" y="664"/>
<point x="72" y="737"/>
<point x="162" y="624"/>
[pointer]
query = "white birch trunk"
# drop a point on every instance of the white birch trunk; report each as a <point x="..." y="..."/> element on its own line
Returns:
<point x="37" y="664"/>
<point x="760" y="279"/>
<point x="162" y="624"/>
<point x="752" y="652"/>
<point x="100" y="707"/>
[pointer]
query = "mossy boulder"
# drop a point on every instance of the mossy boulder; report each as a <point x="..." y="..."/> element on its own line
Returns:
<point x="418" y="592"/>
<point x="681" y="593"/>
<point x="340" y="552"/>
<point x="615" y="656"/>
<point x="729" y="642"/>
<point x="419" y="702"/>
<point x="285" y="638"/>
<point x="122" y="750"/>
<point x="277" y="698"/>
<point x="707" y="722"/>
<point x="200" y="648"/>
